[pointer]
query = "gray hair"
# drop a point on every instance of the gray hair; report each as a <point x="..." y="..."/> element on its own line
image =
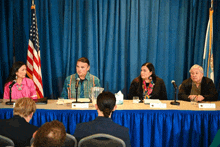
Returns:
<point x="197" y="66"/>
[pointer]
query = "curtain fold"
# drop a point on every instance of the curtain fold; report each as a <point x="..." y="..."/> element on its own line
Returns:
<point x="6" y="41"/>
<point x="117" y="36"/>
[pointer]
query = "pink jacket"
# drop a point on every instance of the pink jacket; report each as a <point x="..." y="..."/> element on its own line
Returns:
<point x="27" y="90"/>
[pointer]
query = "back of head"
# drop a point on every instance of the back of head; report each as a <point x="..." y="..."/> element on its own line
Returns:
<point x="13" y="70"/>
<point x="50" y="134"/>
<point x="106" y="103"/>
<point x="24" y="107"/>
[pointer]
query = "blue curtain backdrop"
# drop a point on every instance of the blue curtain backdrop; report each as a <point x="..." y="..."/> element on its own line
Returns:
<point x="117" y="36"/>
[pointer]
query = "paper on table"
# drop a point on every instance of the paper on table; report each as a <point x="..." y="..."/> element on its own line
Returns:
<point x="148" y="101"/>
<point x="81" y="100"/>
<point x="73" y="100"/>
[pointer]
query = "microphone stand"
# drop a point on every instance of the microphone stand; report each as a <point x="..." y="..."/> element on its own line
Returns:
<point x="79" y="104"/>
<point x="175" y="102"/>
<point x="141" y="101"/>
<point x="10" y="102"/>
<point x="76" y="93"/>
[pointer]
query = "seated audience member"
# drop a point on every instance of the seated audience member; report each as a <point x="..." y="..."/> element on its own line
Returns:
<point x="103" y="123"/>
<point x="18" y="128"/>
<point x="147" y="85"/>
<point x="24" y="87"/>
<point x="197" y="87"/>
<point x="216" y="141"/>
<point x="87" y="81"/>
<point x="50" y="134"/>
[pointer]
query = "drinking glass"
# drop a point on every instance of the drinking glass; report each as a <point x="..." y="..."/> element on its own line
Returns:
<point x="135" y="99"/>
<point x="61" y="100"/>
<point x="95" y="91"/>
<point x="194" y="101"/>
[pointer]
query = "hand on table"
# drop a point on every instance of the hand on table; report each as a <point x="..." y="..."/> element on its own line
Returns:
<point x="192" y="97"/>
<point x="200" y="98"/>
<point x="196" y="97"/>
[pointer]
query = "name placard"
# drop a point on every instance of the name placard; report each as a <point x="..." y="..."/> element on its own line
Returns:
<point x="158" y="105"/>
<point x="207" y="105"/>
<point x="148" y="101"/>
<point x="80" y="105"/>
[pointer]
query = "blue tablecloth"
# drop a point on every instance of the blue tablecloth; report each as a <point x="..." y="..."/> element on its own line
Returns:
<point x="148" y="128"/>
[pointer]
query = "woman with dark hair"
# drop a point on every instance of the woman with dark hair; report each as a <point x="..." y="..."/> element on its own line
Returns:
<point x="86" y="81"/>
<point x="148" y="85"/>
<point x="103" y="123"/>
<point x="24" y="87"/>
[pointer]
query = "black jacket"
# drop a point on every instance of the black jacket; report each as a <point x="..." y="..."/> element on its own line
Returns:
<point x="18" y="130"/>
<point x="102" y="125"/>
<point x="208" y="90"/>
<point x="159" y="90"/>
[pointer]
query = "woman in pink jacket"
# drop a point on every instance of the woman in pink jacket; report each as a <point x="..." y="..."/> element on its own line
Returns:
<point x="24" y="87"/>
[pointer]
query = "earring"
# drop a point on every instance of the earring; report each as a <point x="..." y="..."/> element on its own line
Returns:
<point x="16" y="77"/>
<point x="150" y="78"/>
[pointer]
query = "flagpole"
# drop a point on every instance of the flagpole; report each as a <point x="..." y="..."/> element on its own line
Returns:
<point x="210" y="35"/>
<point x="211" y="4"/>
<point x="208" y="64"/>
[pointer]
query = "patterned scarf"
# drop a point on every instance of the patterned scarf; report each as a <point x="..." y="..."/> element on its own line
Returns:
<point x="147" y="90"/>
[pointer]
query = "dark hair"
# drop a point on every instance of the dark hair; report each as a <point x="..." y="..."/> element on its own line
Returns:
<point x="106" y="103"/>
<point x="84" y="60"/>
<point x="151" y="68"/>
<point x="50" y="134"/>
<point x="12" y="74"/>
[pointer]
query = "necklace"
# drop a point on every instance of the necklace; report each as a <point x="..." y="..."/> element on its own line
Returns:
<point x="19" y="87"/>
<point x="147" y="90"/>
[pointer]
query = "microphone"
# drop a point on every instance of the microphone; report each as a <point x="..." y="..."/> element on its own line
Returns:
<point x="10" y="86"/>
<point x="76" y="87"/>
<point x="77" y="82"/>
<point x="174" y="84"/>
<point x="175" y="87"/>
<point x="14" y="81"/>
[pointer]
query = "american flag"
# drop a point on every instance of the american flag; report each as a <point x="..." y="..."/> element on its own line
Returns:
<point x="33" y="55"/>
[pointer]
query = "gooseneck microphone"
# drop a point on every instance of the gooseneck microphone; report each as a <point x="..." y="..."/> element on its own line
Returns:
<point x="10" y="86"/>
<point x="77" y="82"/>
<point x="76" y="87"/>
<point x="174" y="84"/>
<point x="14" y="81"/>
<point x="175" y="87"/>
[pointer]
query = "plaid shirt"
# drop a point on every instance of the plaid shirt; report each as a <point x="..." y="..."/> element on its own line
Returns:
<point x="84" y="88"/>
